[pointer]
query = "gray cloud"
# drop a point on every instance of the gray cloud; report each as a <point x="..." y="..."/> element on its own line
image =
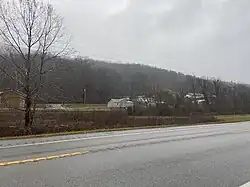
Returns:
<point x="204" y="37"/>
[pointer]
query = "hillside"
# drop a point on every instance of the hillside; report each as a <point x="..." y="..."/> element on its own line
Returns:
<point x="161" y="77"/>
<point x="104" y="81"/>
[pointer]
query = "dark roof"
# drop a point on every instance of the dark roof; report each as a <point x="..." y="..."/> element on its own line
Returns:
<point x="12" y="91"/>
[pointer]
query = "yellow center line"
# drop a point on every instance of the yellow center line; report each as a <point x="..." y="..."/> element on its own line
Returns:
<point x="8" y="163"/>
<point x="52" y="157"/>
<point x="64" y="155"/>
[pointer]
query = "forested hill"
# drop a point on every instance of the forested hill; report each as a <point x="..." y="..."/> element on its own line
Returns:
<point x="104" y="81"/>
<point x="156" y="76"/>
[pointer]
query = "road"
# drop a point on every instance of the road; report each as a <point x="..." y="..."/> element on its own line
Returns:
<point x="204" y="155"/>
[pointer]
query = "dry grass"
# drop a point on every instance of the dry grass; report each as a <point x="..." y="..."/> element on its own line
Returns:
<point x="81" y="132"/>
<point x="219" y="119"/>
<point x="233" y="118"/>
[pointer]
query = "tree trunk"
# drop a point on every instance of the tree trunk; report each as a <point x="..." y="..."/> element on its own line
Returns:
<point x="27" y="122"/>
<point x="28" y="103"/>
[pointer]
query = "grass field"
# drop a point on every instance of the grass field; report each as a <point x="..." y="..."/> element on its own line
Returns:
<point x="80" y="105"/>
<point x="87" y="107"/>
<point x="233" y="118"/>
<point x="71" y="107"/>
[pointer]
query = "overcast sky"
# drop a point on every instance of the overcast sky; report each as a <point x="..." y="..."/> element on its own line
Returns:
<point x="201" y="37"/>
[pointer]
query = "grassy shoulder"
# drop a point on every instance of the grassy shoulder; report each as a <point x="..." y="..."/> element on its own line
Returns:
<point x="83" y="132"/>
<point x="220" y="119"/>
<point x="232" y="118"/>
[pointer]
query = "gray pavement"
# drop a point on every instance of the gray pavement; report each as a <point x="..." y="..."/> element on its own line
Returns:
<point x="204" y="155"/>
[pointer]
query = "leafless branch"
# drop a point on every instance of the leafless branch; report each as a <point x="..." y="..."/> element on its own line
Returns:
<point x="3" y="69"/>
<point x="34" y="31"/>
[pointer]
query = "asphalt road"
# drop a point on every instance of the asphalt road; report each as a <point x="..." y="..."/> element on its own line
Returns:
<point x="204" y="155"/>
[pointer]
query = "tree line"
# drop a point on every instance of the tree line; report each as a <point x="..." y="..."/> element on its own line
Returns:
<point x="104" y="81"/>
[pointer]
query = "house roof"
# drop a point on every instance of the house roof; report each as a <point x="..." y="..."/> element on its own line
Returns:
<point x="118" y="100"/>
<point x="194" y="95"/>
<point x="12" y="91"/>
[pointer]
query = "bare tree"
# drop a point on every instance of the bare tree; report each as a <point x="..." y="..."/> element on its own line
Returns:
<point x="204" y="87"/>
<point x="218" y="92"/>
<point x="193" y="89"/>
<point x="32" y="34"/>
<point x="179" y="100"/>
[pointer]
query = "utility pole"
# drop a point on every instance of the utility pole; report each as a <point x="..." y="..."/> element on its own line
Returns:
<point x="84" y="96"/>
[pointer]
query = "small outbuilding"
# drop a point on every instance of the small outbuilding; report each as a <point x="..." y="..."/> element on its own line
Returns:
<point x="12" y="99"/>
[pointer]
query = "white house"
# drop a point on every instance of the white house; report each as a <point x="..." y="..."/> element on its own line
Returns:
<point x="199" y="97"/>
<point x="147" y="101"/>
<point x="120" y="103"/>
<point x="194" y="96"/>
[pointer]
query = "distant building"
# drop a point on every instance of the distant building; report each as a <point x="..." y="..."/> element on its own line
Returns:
<point x="120" y="103"/>
<point x="12" y="99"/>
<point x="54" y="107"/>
<point x="147" y="101"/>
<point x="198" y="96"/>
